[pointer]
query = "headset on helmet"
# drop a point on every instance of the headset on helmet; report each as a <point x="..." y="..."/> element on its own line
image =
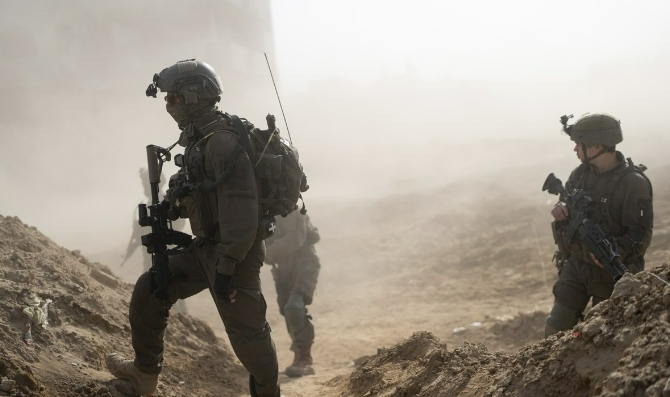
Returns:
<point x="194" y="80"/>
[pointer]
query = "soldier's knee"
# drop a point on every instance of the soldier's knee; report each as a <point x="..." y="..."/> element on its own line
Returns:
<point x="295" y="302"/>
<point x="295" y="319"/>
<point x="294" y="311"/>
<point x="560" y="318"/>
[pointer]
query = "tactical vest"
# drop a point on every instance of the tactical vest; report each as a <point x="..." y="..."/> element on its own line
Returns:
<point x="606" y="216"/>
<point x="198" y="201"/>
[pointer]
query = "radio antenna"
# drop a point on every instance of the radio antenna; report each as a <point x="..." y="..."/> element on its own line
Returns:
<point x="280" y="106"/>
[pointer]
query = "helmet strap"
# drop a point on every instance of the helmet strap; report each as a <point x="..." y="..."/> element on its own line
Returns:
<point x="588" y="159"/>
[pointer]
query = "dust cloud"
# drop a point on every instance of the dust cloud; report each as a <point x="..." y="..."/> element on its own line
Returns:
<point x="407" y="166"/>
<point x="75" y="120"/>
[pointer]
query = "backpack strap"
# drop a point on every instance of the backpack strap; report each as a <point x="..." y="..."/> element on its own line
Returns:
<point x="229" y="164"/>
<point x="641" y="168"/>
<point x="619" y="175"/>
<point x="615" y="181"/>
<point x="243" y="134"/>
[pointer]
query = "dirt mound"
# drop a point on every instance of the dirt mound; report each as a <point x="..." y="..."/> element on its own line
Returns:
<point x="422" y="366"/>
<point x="86" y="320"/>
<point x="621" y="349"/>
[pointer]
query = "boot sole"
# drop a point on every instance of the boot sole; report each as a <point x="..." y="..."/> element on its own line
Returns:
<point x="297" y="373"/>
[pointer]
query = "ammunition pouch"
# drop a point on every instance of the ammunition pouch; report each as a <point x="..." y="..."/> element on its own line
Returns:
<point x="560" y="257"/>
<point x="557" y="232"/>
<point x="563" y="252"/>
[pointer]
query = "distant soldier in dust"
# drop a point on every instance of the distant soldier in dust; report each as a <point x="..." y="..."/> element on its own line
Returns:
<point x="295" y="269"/>
<point x="136" y="236"/>
<point x="622" y="197"/>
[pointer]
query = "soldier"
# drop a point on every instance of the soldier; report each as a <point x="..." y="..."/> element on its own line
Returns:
<point x="622" y="197"/>
<point x="227" y="253"/>
<point x="295" y="269"/>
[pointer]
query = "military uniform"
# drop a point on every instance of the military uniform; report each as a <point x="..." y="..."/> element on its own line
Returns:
<point x="626" y="213"/>
<point x="622" y="198"/>
<point x="295" y="269"/>
<point x="226" y="254"/>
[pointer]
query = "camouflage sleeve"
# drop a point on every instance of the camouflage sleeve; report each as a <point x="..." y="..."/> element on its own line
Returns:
<point x="637" y="217"/>
<point x="237" y="201"/>
<point x="292" y="235"/>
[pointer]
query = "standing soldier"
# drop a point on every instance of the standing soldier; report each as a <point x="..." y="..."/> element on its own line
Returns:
<point x="295" y="269"/>
<point x="227" y="253"/>
<point x="622" y="198"/>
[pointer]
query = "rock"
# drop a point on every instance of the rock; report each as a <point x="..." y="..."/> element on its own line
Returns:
<point x="666" y="389"/>
<point x="7" y="384"/>
<point x="592" y="328"/>
<point x="615" y="381"/>
<point x="624" y="337"/>
<point x="655" y="390"/>
<point x="626" y="286"/>
<point x="20" y="276"/>
<point x="666" y="295"/>
<point x="629" y="313"/>
<point x="104" y="279"/>
<point x="598" y="341"/>
<point x="597" y="310"/>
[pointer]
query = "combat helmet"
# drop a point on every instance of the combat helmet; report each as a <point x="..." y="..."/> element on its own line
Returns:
<point x="196" y="81"/>
<point x="596" y="129"/>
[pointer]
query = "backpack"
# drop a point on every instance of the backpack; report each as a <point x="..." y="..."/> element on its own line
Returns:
<point x="279" y="174"/>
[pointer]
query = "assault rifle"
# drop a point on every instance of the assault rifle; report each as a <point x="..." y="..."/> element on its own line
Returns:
<point x="162" y="233"/>
<point x="580" y="206"/>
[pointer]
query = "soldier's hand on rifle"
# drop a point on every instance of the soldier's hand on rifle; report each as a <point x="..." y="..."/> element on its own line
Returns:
<point x="223" y="281"/>
<point x="593" y="258"/>
<point x="560" y="212"/>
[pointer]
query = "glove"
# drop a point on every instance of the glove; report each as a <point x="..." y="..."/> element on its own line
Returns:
<point x="223" y="281"/>
<point x="178" y="187"/>
<point x="223" y="286"/>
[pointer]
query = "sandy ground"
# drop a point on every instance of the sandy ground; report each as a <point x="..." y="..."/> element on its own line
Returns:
<point x="436" y="267"/>
<point x="378" y="288"/>
<point x="458" y="262"/>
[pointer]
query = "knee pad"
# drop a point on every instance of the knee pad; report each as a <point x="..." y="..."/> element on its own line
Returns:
<point x="560" y="318"/>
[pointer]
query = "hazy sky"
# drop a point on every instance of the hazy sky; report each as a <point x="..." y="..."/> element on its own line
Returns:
<point x="517" y="40"/>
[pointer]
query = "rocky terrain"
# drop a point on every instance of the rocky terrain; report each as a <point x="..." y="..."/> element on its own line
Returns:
<point x="86" y="320"/>
<point x="621" y="349"/>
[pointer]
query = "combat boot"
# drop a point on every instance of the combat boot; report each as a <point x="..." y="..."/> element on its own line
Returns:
<point x="145" y="384"/>
<point x="302" y="363"/>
